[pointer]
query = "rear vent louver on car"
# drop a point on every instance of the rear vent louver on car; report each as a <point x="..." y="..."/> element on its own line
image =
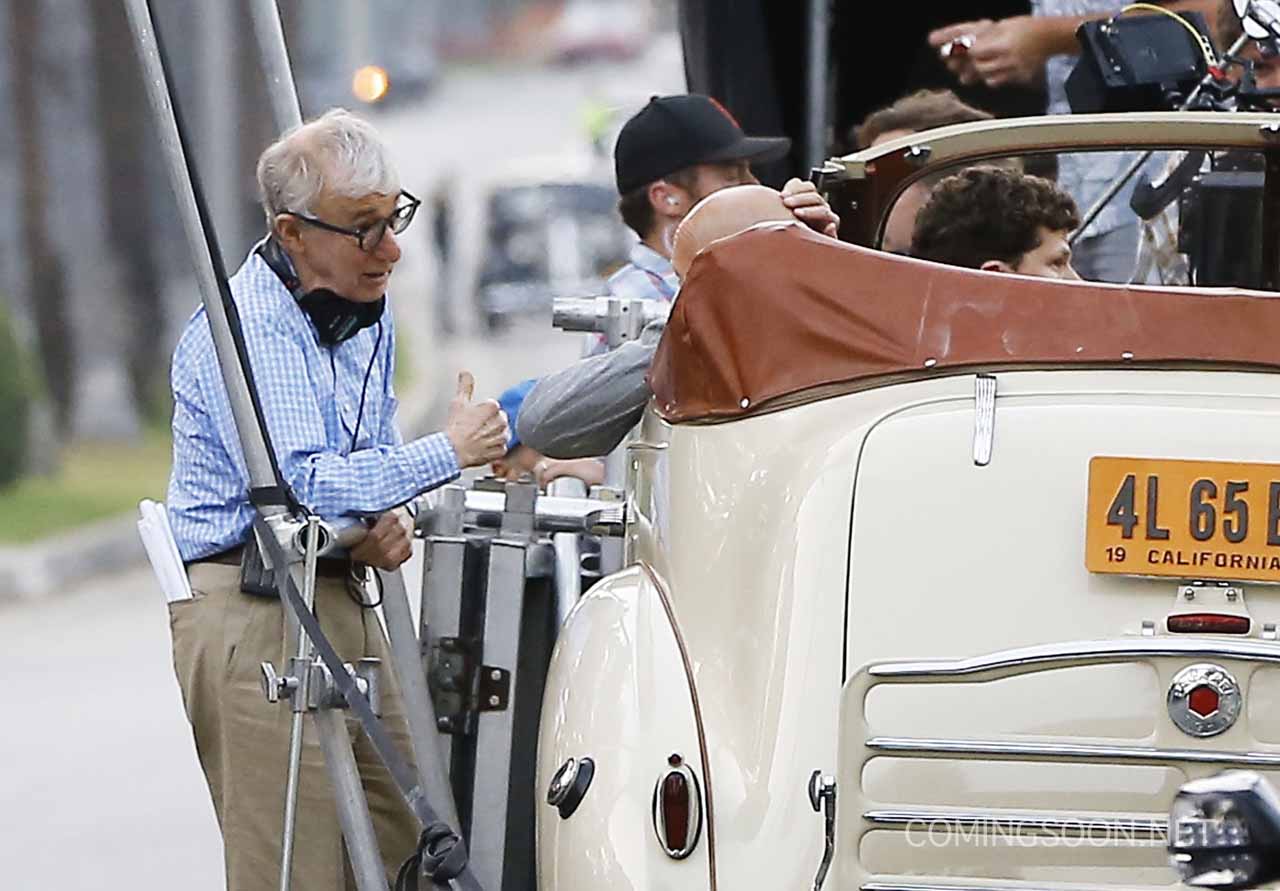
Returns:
<point x="1079" y="832"/>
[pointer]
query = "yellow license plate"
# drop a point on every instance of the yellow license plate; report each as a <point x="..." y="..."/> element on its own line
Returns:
<point x="1185" y="519"/>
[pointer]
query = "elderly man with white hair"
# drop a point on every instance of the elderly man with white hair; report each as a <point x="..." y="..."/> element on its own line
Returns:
<point x="321" y="344"/>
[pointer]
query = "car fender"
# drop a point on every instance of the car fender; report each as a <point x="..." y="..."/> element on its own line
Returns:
<point x="619" y="693"/>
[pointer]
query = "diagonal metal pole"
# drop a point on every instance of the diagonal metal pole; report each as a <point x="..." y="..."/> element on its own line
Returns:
<point x="210" y="275"/>
<point x="274" y="53"/>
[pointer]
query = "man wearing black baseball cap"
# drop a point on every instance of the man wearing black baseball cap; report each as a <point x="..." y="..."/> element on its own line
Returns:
<point x="669" y="156"/>
<point x="673" y="153"/>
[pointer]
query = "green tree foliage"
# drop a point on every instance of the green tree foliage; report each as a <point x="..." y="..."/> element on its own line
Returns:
<point x="15" y="402"/>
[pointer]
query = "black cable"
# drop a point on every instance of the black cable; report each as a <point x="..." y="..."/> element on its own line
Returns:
<point x="356" y="588"/>
<point x="365" y="386"/>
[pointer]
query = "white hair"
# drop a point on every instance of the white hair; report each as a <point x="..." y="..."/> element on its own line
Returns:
<point x="337" y="151"/>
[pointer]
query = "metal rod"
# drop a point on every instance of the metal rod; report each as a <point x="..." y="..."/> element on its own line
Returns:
<point x="1118" y="184"/>
<point x="551" y="513"/>
<point x="301" y="664"/>
<point x="275" y="64"/>
<point x="252" y="443"/>
<point x="353" y="808"/>
<point x="406" y="660"/>
<point x="816" y="100"/>
<point x="567" y="551"/>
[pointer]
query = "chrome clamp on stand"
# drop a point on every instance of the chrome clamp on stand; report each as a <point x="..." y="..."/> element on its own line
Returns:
<point x="617" y="319"/>
<point x="498" y="578"/>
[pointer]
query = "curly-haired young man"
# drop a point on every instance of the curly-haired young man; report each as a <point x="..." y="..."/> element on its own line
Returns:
<point x="1000" y="220"/>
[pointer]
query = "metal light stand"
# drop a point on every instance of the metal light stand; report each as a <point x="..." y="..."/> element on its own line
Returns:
<point x="484" y="607"/>
<point x="620" y="321"/>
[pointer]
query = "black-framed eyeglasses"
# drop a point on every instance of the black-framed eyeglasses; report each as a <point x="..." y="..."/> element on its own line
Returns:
<point x="370" y="236"/>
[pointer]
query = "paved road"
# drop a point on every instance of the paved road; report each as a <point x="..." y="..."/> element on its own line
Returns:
<point x="99" y="785"/>
<point x="100" y="789"/>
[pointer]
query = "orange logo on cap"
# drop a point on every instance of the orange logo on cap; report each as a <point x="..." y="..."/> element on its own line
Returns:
<point x="724" y="111"/>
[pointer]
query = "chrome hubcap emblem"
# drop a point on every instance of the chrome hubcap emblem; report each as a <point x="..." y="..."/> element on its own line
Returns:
<point x="1204" y="700"/>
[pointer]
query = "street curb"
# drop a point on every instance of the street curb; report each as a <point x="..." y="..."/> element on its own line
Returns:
<point x="39" y="570"/>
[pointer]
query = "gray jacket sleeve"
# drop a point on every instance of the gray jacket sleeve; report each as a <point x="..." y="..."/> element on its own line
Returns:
<point x="587" y="409"/>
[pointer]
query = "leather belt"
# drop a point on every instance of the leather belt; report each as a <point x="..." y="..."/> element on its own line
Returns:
<point x="326" y="567"/>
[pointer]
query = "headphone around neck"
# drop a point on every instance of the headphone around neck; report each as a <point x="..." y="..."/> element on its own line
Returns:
<point x="335" y="318"/>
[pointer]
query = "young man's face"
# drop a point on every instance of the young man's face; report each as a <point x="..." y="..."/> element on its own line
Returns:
<point x="1050" y="258"/>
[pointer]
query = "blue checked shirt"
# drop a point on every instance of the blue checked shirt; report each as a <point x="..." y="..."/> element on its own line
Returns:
<point x="647" y="276"/>
<point x="310" y="396"/>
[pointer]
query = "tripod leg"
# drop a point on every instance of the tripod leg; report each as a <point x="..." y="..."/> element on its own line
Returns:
<point x="418" y="707"/>
<point x="348" y="794"/>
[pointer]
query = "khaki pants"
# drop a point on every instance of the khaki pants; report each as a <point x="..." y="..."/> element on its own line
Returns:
<point x="219" y="640"/>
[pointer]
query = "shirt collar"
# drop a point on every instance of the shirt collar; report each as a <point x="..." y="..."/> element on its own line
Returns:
<point x="649" y="260"/>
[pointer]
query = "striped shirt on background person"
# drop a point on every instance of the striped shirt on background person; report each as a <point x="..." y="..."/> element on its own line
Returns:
<point x="311" y="397"/>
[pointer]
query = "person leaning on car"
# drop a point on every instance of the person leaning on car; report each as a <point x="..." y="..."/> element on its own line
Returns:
<point x="1000" y="220"/>
<point x="669" y="156"/>
<point x="321" y="343"/>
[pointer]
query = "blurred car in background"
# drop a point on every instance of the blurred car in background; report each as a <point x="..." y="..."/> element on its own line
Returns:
<point x="551" y="230"/>
<point x="592" y="30"/>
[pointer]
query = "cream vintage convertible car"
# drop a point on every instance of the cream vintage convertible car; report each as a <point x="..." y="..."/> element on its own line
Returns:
<point x="978" y="567"/>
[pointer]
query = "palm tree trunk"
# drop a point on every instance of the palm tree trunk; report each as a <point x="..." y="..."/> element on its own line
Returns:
<point x="46" y="280"/>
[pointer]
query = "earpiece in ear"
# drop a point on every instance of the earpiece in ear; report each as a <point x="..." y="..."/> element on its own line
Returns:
<point x="672" y="201"/>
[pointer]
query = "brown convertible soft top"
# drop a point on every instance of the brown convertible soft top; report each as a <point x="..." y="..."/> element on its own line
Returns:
<point x="780" y="311"/>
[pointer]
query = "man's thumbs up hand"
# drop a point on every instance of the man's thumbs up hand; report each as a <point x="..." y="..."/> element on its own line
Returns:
<point x="477" y="432"/>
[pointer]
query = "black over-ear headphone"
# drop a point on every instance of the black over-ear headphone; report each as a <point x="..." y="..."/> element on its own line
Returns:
<point x="336" y="319"/>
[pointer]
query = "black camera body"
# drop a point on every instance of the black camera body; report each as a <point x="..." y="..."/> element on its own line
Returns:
<point x="1136" y="63"/>
<point x="1218" y="205"/>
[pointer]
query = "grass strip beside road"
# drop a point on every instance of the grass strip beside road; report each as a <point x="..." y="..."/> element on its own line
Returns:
<point x="95" y="481"/>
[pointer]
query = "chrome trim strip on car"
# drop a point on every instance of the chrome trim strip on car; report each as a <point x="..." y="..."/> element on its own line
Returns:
<point x="1049" y="656"/>
<point x="1004" y="885"/>
<point x="1037" y="751"/>
<point x="984" y="419"/>
<point x="703" y="752"/>
<point x="1060" y="133"/>
<point x="1120" y="826"/>
<point x="1000" y="885"/>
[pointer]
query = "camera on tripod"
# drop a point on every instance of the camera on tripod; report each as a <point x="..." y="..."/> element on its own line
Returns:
<point x="1165" y="62"/>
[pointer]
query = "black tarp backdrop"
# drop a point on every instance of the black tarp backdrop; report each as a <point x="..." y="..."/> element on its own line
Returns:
<point x="752" y="56"/>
